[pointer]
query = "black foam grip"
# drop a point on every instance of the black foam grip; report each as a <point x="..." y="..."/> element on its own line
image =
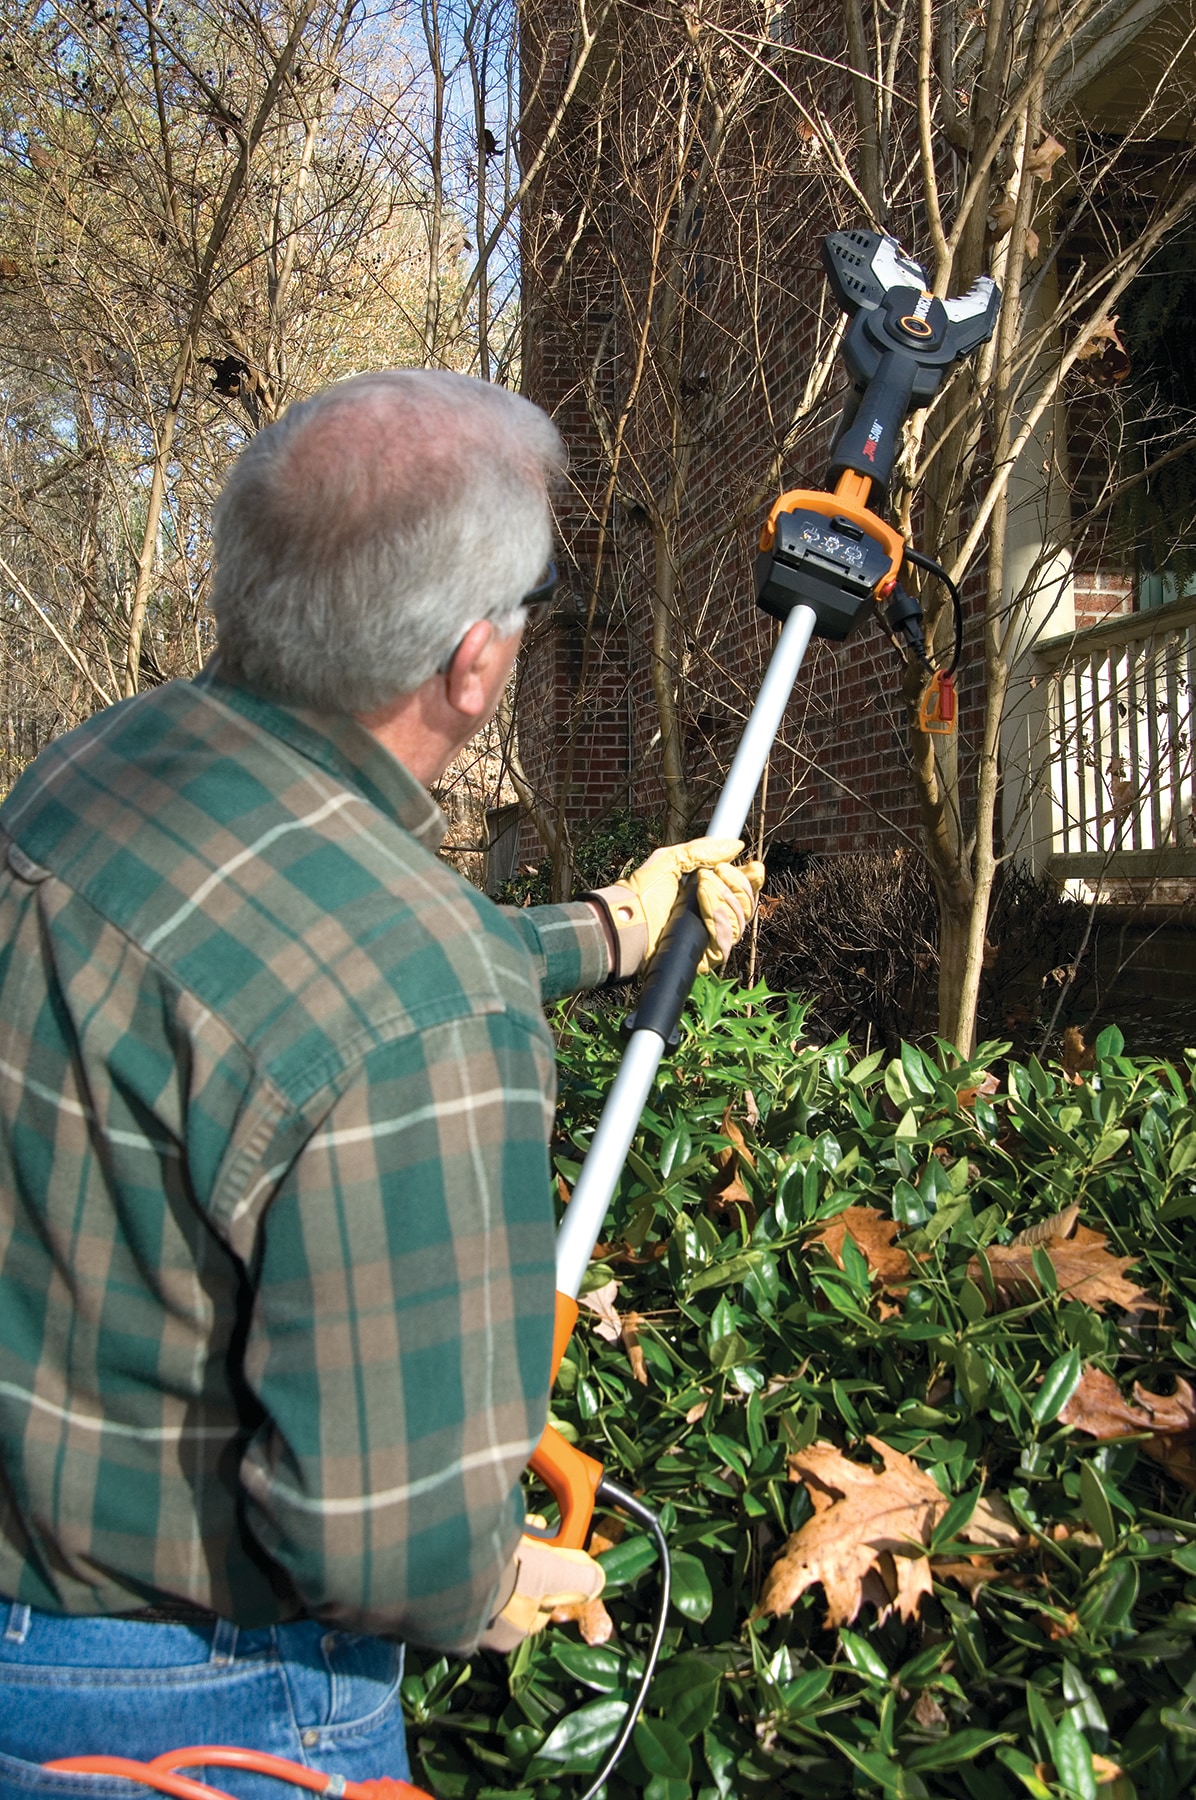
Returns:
<point x="672" y="974"/>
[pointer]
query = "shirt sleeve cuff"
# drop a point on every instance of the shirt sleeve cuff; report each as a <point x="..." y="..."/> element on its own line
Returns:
<point x="569" y="944"/>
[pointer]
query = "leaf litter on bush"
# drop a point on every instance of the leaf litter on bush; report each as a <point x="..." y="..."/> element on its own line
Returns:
<point x="1083" y="1268"/>
<point x="867" y="1539"/>
<point x="872" y="1234"/>
<point x="1167" y="1422"/>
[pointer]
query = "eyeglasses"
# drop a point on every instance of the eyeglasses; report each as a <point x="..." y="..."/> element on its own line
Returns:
<point x="536" y="604"/>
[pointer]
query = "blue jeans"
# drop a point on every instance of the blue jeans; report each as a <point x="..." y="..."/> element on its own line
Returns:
<point x="119" y="1687"/>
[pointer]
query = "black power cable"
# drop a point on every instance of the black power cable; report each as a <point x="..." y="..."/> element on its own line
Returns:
<point x="933" y="568"/>
<point x="611" y="1494"/>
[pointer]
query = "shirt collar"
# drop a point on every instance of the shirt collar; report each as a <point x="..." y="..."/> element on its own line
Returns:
<point x="342" y="747"/>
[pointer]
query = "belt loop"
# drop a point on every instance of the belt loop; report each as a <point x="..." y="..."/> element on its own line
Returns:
<point x="19" y="1620"/>
<point x="224" y="1643"/>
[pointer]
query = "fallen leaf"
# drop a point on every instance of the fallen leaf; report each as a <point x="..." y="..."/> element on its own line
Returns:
<point x="602" y="1302"/>
<point x="623" y="1253"/>
<point x="605" y="1536"/>
<point x="983" y="1090"/>
<point x="730" y="1129"/>
<point x="970" y="1572"/>
<point x="631" y="1343"/>
<point x="1175" y="1457"/>
<point x="1043" y="158"/>
<point x="1099" y="1409"/>
<point x="927" y="1711"/>
<point x="726" y="1189"/>
<point x="1101" y="1412"/>
<point x="993" y="1524"/>
<point x="1033" y="244"/>
<point x="1105" y="1769"/>
<point x="1077" y="1056"/>
<point x="1083" y="1268"/>
<point x="697" y="1411"/>
<point x="863" y="1542"/>
<point x="1059" y="1225"/>
<point x="872" y="1234"/>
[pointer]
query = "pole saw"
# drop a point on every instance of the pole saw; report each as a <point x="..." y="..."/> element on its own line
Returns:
<point x="825" y="561"/>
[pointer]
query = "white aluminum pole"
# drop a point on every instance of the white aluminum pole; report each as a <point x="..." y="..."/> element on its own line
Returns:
<point x="584" y="1216"/>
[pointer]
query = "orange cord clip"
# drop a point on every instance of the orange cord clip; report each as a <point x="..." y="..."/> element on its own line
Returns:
<point x="937" y="707"/>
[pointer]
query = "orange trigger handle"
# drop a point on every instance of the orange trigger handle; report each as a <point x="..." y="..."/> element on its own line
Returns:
<point x="570" y="1476"/>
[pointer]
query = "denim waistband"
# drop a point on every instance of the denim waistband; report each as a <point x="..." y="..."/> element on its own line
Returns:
<point x="29" y="1635"/>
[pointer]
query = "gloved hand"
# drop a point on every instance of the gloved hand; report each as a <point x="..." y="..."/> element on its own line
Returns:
<point x="639" y="908"/>
<point x="544" y="1579"/>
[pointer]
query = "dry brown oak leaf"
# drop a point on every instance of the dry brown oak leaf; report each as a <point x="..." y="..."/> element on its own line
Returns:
<point x="1098" y="1408"/>
<point x="726" y="1190"/>
<point x="1083" y="1268"/>
<point x="873" y="1234"/>
<point x="867" y="1535"/>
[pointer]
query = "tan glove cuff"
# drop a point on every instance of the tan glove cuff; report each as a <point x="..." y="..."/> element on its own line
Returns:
<point x="629" y="927"/>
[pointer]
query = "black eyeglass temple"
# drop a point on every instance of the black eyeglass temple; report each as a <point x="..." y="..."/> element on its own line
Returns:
<point x="544" y="590"/>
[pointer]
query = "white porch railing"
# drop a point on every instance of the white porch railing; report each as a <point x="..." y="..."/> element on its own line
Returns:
<point x="1117" y="732"/>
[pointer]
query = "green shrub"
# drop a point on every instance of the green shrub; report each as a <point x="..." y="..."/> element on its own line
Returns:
<point x="756" y="1344"/>
<point x="604" y="851"/>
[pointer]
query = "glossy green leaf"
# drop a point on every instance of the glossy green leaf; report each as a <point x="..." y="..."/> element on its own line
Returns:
<point x="691" y="1586"/>
<point x="972" y="1302"/>
<point x="1073" y="1759"/>
<point x="628" y="1560"/>
<point x="686" y="1693"/>
<point x="958" y="1747"/>
<point x="1095" y="1502"/>
<point x="1058" y="1385"/>
<point x="592" y="1664"/>
<point x="662" y="1749"/>
<point x="581" y="1737"/>
<point x="1110" y="1599"/>
<point x="863" y="1656"/>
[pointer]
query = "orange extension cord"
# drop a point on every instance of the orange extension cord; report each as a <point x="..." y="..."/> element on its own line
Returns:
<point x="161" y="1774"/>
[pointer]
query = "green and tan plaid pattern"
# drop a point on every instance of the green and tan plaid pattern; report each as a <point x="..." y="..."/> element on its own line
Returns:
<point x="276" y="1243"/>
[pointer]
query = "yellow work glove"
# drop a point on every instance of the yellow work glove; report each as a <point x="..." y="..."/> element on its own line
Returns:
<point x="640" y="907"/>
<point x="544" y="1578"/>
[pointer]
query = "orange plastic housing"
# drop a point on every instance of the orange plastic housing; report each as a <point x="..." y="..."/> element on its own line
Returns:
<point x="570" y="1476"/>
<point x="849" y="501"/>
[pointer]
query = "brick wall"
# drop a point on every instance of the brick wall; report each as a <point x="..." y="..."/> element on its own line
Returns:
<point x="717" y="394"/>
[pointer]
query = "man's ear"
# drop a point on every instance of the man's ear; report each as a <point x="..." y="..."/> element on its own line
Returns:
<point x="466" y="676"/>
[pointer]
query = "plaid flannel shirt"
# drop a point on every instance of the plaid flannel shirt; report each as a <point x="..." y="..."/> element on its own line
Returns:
<point x="276" y="1235"/>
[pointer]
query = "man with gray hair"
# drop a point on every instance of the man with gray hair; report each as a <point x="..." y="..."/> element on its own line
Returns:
<point x="276" y="1235"/>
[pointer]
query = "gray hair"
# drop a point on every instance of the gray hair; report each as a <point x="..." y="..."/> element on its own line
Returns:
<point x="359" y="537"/>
